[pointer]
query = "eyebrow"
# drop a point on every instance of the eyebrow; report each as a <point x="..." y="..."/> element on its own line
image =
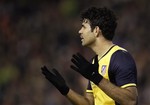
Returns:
<point x="84" y="21"/>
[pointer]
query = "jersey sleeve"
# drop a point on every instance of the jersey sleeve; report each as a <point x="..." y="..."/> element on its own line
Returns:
<point x="123" y="70"/>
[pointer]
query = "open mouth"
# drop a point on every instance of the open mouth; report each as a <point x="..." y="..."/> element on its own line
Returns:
<point x="81" y="39"/>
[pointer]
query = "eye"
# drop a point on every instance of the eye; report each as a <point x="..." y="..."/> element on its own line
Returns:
<point x="83" y="26"/>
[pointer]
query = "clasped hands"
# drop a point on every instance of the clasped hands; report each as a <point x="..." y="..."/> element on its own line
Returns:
<point x="80" y="65"/>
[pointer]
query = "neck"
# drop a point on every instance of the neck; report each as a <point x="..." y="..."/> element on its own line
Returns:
<point x="101" y="47"/>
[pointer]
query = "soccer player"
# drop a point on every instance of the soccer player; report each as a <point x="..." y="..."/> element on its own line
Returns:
<point x="112" y="74"/>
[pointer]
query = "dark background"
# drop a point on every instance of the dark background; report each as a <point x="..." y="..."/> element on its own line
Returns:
<point x="37" y="32"/>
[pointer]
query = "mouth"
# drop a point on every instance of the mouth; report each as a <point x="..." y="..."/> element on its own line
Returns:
<point x="81" y="37"/>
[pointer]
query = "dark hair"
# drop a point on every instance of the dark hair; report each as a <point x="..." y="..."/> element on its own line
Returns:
<point x="104" y="18"/>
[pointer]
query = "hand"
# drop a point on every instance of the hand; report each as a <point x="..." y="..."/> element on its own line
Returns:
<point x="85" y="68"/>
<point x="56" y="79"/>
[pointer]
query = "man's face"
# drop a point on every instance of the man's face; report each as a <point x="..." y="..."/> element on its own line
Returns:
<point x="86" y="34"/>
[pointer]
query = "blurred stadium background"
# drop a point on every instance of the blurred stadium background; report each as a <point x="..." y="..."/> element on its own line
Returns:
<point x="37" y="32"/>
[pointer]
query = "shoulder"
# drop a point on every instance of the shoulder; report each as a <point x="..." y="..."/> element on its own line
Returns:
<point x="122" y="60"/>
<point x="122" y="56"/>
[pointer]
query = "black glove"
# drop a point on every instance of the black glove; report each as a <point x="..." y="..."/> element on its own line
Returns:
<point x="85" y="68"/>
<point x="56" y="79"/>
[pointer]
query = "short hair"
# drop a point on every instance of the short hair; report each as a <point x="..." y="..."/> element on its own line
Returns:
<point x="104" y="18"/>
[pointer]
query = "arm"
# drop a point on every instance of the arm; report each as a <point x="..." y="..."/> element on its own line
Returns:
<point x="57" y="80"/>
<point x="120" y="95"/>
<point x="88" y="98"/>
<point x="77" y="99"/>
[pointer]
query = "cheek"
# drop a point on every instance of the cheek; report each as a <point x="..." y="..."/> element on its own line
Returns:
<point x="90" y="38"/>
<point x="90" y="35"/>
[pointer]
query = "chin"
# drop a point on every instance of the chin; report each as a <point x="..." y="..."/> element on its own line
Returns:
<point x="85" y="45"/>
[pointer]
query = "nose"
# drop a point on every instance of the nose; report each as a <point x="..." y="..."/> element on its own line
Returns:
<point x="80" y="31"/>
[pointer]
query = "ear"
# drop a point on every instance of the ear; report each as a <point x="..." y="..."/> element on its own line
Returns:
<point x="97" y="31"/>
